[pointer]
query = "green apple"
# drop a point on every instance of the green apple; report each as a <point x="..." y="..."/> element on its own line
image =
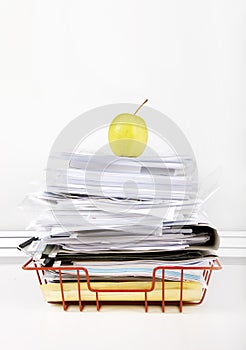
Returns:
<point x="128" y="134"/>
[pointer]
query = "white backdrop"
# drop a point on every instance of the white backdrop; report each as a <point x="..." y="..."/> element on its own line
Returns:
<point x="61" y="58"/>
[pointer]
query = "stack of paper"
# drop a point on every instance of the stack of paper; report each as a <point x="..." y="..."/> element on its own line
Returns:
<point x="120" y="218"/>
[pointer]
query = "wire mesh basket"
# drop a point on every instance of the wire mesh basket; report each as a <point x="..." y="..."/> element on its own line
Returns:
<point x="157" y="290"/>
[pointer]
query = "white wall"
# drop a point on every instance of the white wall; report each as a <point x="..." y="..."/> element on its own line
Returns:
<point x="60" y="58"/>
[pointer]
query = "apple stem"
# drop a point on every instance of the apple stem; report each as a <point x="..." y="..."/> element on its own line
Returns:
<point x="141" y="106"/>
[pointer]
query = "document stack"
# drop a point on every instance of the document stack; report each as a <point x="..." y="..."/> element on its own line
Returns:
<point x="121" y="229"/>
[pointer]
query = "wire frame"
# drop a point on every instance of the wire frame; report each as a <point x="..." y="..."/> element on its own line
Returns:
<point x="206" y="272"/>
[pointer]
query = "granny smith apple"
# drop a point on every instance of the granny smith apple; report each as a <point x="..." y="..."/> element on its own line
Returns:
<point x="128" y="134"/>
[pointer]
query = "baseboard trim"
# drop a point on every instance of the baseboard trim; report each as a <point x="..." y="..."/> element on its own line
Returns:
<point x="232" y="243"/>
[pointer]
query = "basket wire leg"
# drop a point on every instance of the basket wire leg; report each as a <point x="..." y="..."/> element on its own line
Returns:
<point x="97" y="302"/>
<point x="207" y="279"/>
<point x="146" y="301"/>
<point x="45" y="281"/>
<point x="65" y="306"/>
<point x="37" y="272"/>
<point x="181" y="291"/>
<point x="79" y="292"/>
<point x="205" y="274"/>
<point x="163" y="290"/>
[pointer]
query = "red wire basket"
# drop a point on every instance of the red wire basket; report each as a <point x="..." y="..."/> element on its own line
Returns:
<point x="206" y="272"/>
